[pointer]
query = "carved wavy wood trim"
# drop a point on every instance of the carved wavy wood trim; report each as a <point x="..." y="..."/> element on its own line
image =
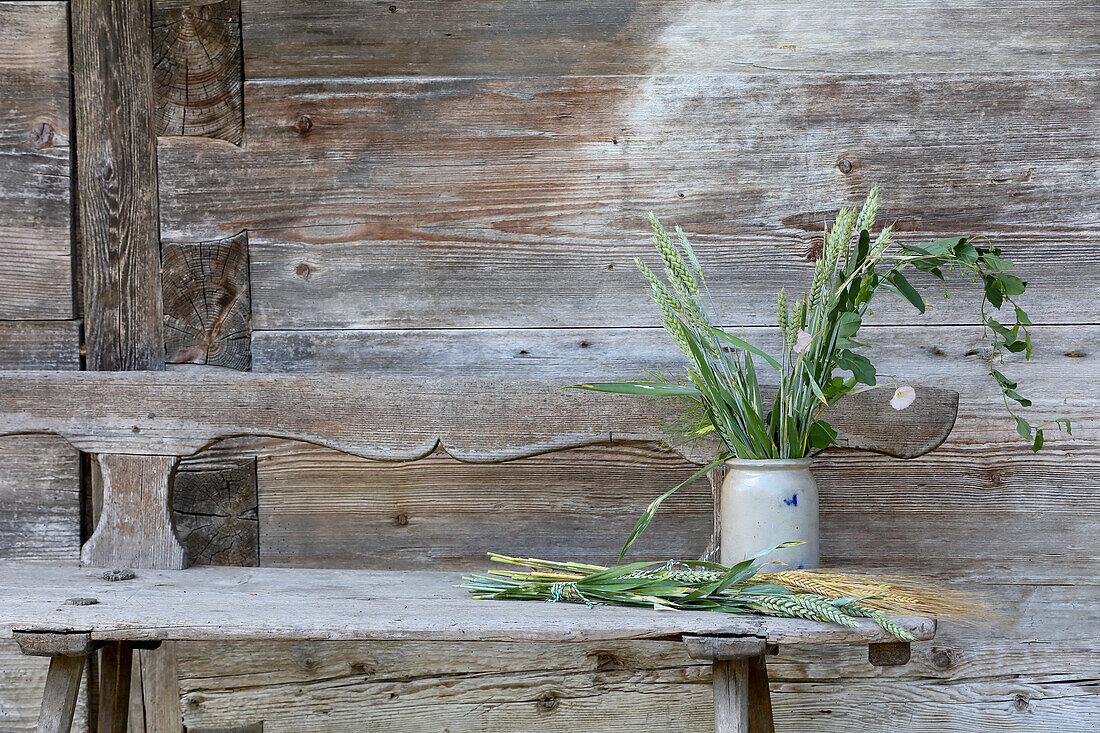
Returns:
<point x="387" y="418"/>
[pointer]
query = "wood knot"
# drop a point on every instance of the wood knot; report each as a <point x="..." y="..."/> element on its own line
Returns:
<point x="401" y="520"/>
<point x="1074" y="354"/>
<point x="113" y="576"/>
<point x="104" y="170"/>
<point x="1021" y="703"/>
<point x="844" y="166"/>
<point x="609" y="662"/>
<point x="304" y="125"/>
<point x="393" y="8"/>
<point x="547" y="702"/>
<point x="584" y="344"/>
<point x="942" y="658"/>
<point x="41" y="135"/>
<point x="303" y="270"/>
<point x="814" y="251"/>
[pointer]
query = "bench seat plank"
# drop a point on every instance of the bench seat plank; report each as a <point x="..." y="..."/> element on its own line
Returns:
<point x="223" y="603"/>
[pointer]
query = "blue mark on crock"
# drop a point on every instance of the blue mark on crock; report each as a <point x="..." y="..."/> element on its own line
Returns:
<point x="793" y="501"/>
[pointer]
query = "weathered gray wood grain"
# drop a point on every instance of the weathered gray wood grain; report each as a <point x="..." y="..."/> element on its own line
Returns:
<point x="116" y="161"/>
<point x="387" y="418"/>
<point x="1033" y="512"/>
<point x="40" y="344"/>
<point x="215" y="512"/>
<point x="475" y="182"/>
<point x="301" y="40"/>
<point x="1058" y="378"/>
<point x="160" y="690"/>
<point x="36" y="266"/>
<point x="366" y="686"/>
<point x="207" y="306"/>
<point x="62" y="689"/>
<point x="115" y="665"/>
<point x="289" y="604"/>
<point x="39" y="498"/>
<point x="135" y="528"/>
<point x="197" y="72"/>
<point x="439" y="513"/>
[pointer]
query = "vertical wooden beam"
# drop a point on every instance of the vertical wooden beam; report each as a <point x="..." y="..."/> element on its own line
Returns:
<point x="119" y="215"/>
<point x="59" y="699"/>
<point x="135" y="527"/>
<point x="115" y="660"/>
<point x="731" y="696"/>
<point x="160" y="690"/>
<point x="116" y="171"/>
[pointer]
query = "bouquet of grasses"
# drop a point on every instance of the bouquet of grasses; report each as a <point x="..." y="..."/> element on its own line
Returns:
<point x="819" y="359"/>
<point x="746" y="587"/>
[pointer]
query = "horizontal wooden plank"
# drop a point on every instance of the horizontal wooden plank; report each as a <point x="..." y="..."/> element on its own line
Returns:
<point x="475" y="198"/>
<point x="1059" y="378"/>
<point x="1035" y="512"/>
<point x="395" y="686"/>
<point x="40" y="345"/>
<point x="293" y="604"/>
<point x="39" y="498"/>
<point x="385" y="418"/>
<point x="34" y="161"/>
<point x="298" y="39"/>
<point x="439" y="513"/>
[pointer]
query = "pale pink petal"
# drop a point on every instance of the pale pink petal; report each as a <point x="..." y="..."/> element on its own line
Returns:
<point x="802" y="342"/>
<point x="903" y="398"/>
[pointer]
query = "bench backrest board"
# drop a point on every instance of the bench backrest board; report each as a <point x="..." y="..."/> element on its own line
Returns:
<point x="180" y="413"/>
<point x="139" y="424"/>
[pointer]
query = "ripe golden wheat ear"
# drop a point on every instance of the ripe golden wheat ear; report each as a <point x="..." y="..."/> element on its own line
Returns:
<point x="889" y="593"/>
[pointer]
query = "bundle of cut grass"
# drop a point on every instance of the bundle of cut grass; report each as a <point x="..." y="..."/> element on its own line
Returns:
<point x="695" y="585"/>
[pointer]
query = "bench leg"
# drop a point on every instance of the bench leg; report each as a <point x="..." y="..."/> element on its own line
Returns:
<point x="59" y="699"/>
<point x="115" y="663"/>
<point x="742" y="702"/>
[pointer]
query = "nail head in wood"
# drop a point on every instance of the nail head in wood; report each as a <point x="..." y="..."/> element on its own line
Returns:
<point x="889" y="654"/>
<point x="114" y="576"/>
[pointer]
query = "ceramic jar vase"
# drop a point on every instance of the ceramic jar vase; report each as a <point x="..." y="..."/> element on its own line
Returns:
<point x="763" y="503"/>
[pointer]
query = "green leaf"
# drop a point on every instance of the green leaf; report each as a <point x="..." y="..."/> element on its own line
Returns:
<point x="993" y="292"/>
<point x="1003" y="380"/>
<point x="966" y="253"/>
<point x="1010" y="284"/>
<point x="653" y="389"/>
<point x="1038" y="444"/>
<point x="1021" y="316"/>
<point x="993" y="263"/>
<point x="1015" y="347"/>
<point x="743" y="344"/>
<point x="848" y="324"/>
<point x="815" y="387"/>
<point x="647" y="515"/>
<point x="860" y="366"/>
<point x="1023" y="428"/>
<point x="1013" y="395"/>
<point x="822" y="435"/>
<point x="906" y="290"/>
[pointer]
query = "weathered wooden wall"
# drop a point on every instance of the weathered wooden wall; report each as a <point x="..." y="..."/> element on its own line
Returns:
<point x="461" y="187"/>
<point x="39" y="477"/>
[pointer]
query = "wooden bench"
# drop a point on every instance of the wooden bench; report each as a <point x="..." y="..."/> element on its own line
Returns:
<point x="139" y="424"/>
